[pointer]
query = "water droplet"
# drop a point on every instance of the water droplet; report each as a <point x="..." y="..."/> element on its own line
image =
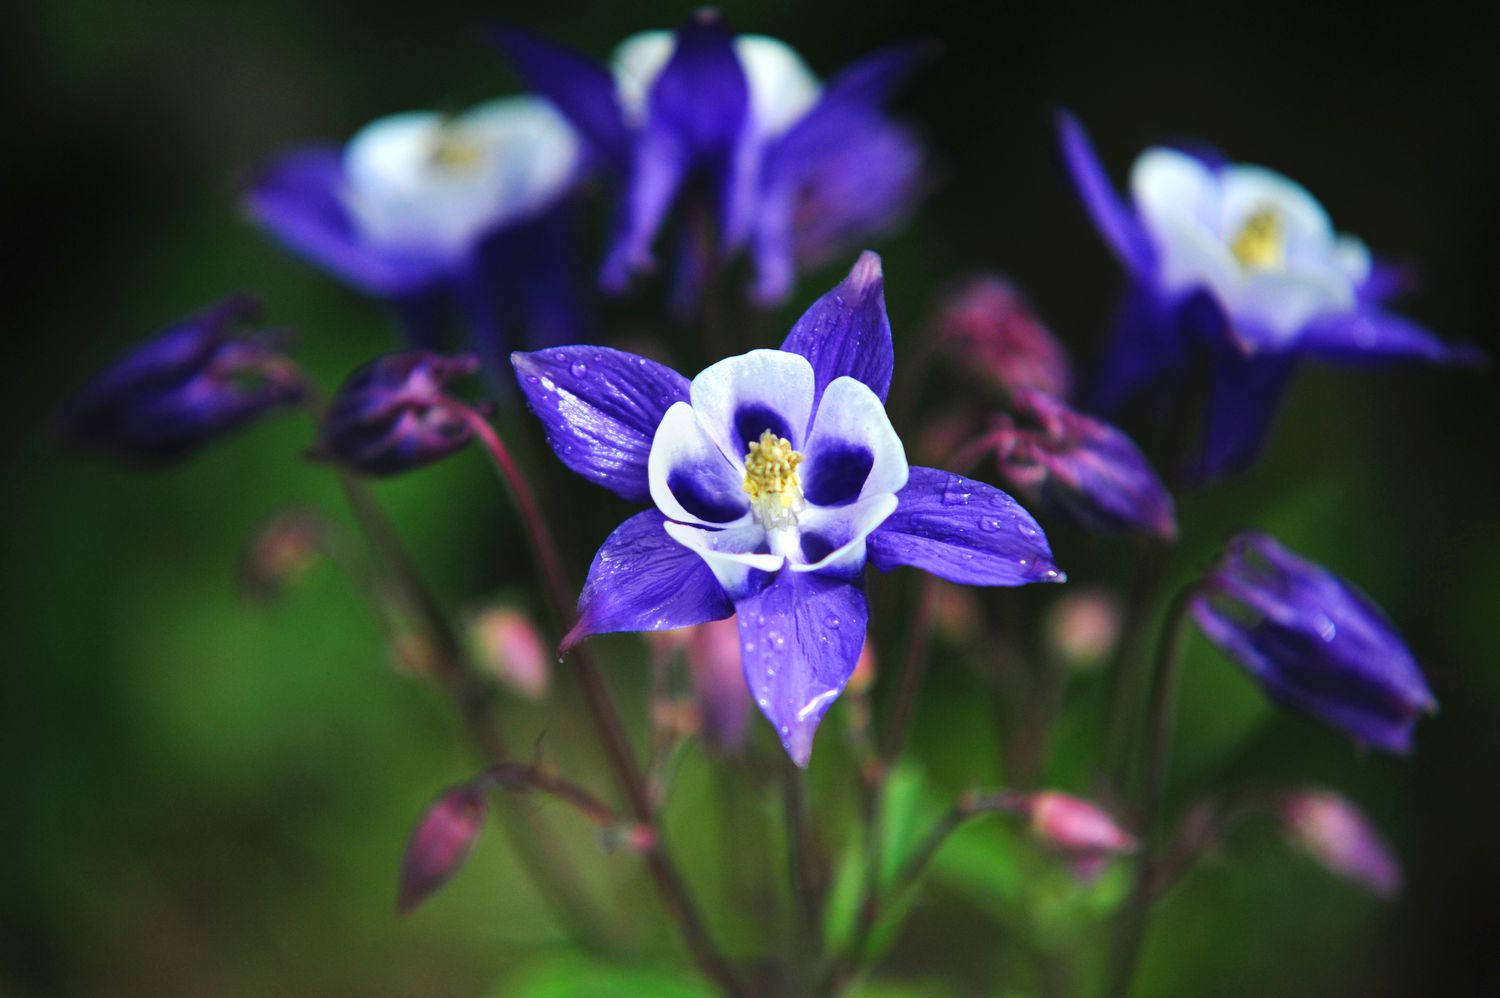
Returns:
<point x="1327" y="629"/>
<point x="989" y="524"/>
<point x="831" y="621"/>
<point x="956" y="492"/>
<point x="579" y="369"/>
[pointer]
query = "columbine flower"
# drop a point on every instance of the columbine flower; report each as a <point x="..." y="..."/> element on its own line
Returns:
<point x="194" y="383"/>
<point x="775" y="476"/>
<point x="427" y="211"/>
<point x="394" y="414"/>
<point x="1342" y="838"/>
<point x="758" y="153"/>
<point x="987" y="326"/>
<point x="1244" y="266"/>
<point x="1313" y="642"/>
<point x="1081" y="467"/>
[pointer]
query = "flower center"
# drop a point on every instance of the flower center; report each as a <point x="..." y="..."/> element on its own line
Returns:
<point x="771" y="480"/>
<point x="1261" y="242"/>
<point x="453" y="151"/>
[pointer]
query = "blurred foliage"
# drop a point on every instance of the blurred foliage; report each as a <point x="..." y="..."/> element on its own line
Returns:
<point x="205" y="795"/>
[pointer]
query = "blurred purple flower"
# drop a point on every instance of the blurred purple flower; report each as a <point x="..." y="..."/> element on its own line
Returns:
<point x="735" y="131"/>
<point x="440" y="843"/>
<point x="1342" y="838"/>
<point x="194" y="383"/>
<point x="775" y="476"/>
<point x="1313" y="642"/>
<point x="429" y="211"/>
<point x="394" y="414"/>
<point x="1241" y="266"/>
<point x="1081" y="467"/>
<point x="989" y="328"/>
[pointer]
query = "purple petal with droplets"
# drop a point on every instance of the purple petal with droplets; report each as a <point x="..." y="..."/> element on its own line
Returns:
<point x="847" y="332"/>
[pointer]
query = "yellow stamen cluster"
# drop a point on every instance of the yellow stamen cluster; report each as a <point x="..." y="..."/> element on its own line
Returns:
<point x="771" y="470"/>
<point x="452" y="150"/>
<point x="1261" y="243"/>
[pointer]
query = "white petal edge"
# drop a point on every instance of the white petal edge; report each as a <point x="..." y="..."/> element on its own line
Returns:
<point x="860" y="519"/>
<point x="680" y="440"/>
<point x="780" y="381"/>
<point x="727" y="553"/>
<point x="851" y="412"/>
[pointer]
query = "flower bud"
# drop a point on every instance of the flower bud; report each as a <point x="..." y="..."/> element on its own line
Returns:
<point x="393" y="414"/>
<point x="1313" y="642"/>
<point x="1341" y="838"/>
<point x="713" y="656"/>
<point x="282" y="550"/>
<point x="1082" y="468"/>
<point x="1083" y="626"/>
<point x="988" y="326"/>
<point x="194" y="383"/>
<point x="1072" y="825"/>
<point x="510" y="648"/>
<point x="863" y="676"/>
<point x="440" y="843"/>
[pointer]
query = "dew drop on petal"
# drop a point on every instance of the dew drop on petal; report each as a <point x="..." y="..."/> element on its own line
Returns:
<point x="579" y="369"/>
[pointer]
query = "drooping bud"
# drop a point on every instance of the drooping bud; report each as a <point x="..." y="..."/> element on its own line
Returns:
<point x="1342" y="838"/>
<point x="440" y="843"/>
<point x="1313" y="642"/>
<point x="201" y="379"/>
<point x="1074" y="826"/>
<point x="989" y="327"/>
<point x="394" y="415"/>
<point x="1082" y="627"/>
<point x="1081" y="467"/>
<point x="713" y="657"/>
<point x="510" y="648"/>
<point x="289" y="544"/>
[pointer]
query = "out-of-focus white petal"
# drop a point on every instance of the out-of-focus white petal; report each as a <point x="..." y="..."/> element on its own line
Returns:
<point x="782" y="87"/>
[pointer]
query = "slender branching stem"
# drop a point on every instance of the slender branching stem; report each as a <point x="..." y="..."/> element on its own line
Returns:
<point x="802" y="865"/>
<point x="1127" y="671"/>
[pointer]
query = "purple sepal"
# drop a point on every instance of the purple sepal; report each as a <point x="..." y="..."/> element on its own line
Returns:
<point x="1115" y="222"/>
<point x="296" y="200"/>
<point x="1147" y="343"/>
<point x="394" y="414"/>
<point x="1372" y="336"/>
<point x="800" y="639"/>
<point x="1242" y="400"/>
<point x="600" y="409"/>
<point x="695" y="114"/>
<point x="847" y="332"/>
<point x="1313" y="642"/>
<point x="172" y="395"/>
<point x="963" y="531"/>
<point x="1387" y="281"/>
<point x="643" y="580"/>
<point x="1082" y="467"/>
<point x="581" y="89"/>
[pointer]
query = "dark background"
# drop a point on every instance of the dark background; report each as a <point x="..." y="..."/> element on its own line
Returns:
<point x="206" y="796"/>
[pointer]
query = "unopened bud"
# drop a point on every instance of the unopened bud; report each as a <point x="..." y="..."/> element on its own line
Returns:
<point x="1071" y="825"/>
<point x="282" y="550"/>
<point x="713" y="656"/>
<point x="1083" y="626"/>
<point x="510" y="648"/>
<point x="440" y="843"/>
<point x="1342" y="838"/>
<point x="990" y="327"/>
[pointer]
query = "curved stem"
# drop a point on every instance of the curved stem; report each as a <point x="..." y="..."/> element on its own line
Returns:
<point x="679" y="903"/>
<point x="1127" y="668"/>
<point x="801" y="864"/>
<point x="1131" y="932"/>
<point x="913" y="674"/>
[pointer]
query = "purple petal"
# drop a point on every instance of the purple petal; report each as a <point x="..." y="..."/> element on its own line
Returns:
<point x="600" y="409"/>
<point x="847" y="332"/>
<point x="576" y="85"/>
<point x="642" y="580"/>
<point x="1387" y="280"/>
<point x="1372" y="336"/>
<point x="963" y="531"/>
<point x="1115" y="222"/>
<point x="1242" y="399"/>
<point x="800" y="639"/>
<point x="296" y="200"/>
<point x="1146" y="343"/>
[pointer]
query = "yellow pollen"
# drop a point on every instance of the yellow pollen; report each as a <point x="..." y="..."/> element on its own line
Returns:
<point x="1261" y="243"/>
<point x="452" y="150"/>
<point x="771" y="469"/>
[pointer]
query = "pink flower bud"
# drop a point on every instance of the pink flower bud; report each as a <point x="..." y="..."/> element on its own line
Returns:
<point x="509" y="647"/>
<point x="713" y="655"/>
<point x="440" y="843"/>
<point x="863" y="676"/>
<point x="283" y="549"/>
<point x="1070" y="824"/>
<point x="1082" y="627"/>
<point x="1341" y="837"/>
<point x="990" y="328"/>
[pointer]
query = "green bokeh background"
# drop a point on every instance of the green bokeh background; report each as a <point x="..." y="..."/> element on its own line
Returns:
<point x="205" y="795"/>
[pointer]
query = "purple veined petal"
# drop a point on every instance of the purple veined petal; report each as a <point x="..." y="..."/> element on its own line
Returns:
<point x="600" y="409"/>
<point x="577" y="86"/>
<point x="800" y="639"/>
<point x="739" y="398"/>
<point x="643" y="580"/>
<point x="296" y="200"/>
<point x="691" y="479"/>
<point x="963" y="531"/>
<point x="847" y="333"/>
<point x="1243" y="396"/>
<point x="738" y="555"/>
<point x="834" y="540"/>
<point x="1371" y="336"/>
<point x="1114" y="220"/>
<point x="852" y="451"/>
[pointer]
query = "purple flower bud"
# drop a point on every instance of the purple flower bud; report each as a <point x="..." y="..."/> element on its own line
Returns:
<point x="1341" y="837"/>
<point x="1074" y="826"/>
<point x="989" y="327"/>
<point x="199" y="380"/>
<point x="393" y="414"/>
<point x="440" y="843"/>
<point x="1081" y="467"/>
<point x="1313" y="642"/>
<point x="511" y="649"/>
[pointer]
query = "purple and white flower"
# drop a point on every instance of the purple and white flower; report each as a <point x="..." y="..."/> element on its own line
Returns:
<point x="741" y="137"/>
<point x="1242" y="266"/>
<point x="775" y="477"/>
<point x="428" y="211"/>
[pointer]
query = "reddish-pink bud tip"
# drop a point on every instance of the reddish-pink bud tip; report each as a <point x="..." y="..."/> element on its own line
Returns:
<point x="1072" y="825"/>
<point x="440" y="844"/>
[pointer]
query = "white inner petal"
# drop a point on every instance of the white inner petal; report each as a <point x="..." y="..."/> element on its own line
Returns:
<point x="728" y="553"/>
<point x="847" y="527"/>
<point x="680" y="445"/>
<point x="636" y="64"/>
<point x="850" y="413"/>
<point x="730" y="392"/>
<point x="420" y="180"/>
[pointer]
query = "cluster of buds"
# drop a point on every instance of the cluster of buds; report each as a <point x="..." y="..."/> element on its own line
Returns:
<point x="990" y="328"/>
